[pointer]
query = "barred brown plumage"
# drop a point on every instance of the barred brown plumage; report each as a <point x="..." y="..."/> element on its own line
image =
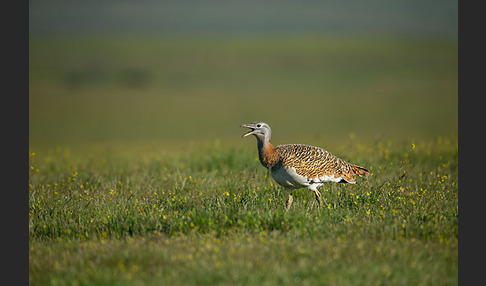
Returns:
<point x="296" y="166"/>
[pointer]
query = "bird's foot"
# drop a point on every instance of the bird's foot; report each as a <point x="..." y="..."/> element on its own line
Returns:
<point x="318" y="198"/>
<point x="289" y="202"/>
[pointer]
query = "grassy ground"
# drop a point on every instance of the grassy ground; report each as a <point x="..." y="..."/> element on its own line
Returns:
<point x="215" y="216"/>
<point x="138" y="174"/>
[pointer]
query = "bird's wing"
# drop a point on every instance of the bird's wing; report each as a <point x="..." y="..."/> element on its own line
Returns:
<point x="314" y="162"/>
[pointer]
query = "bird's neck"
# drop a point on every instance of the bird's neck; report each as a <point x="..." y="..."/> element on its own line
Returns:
<point x="266" y="153"/>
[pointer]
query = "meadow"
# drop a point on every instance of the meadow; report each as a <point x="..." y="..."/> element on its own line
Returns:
<point x="138" y="174"/>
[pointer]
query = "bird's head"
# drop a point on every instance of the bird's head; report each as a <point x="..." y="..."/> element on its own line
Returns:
<point x="261" y="130"/>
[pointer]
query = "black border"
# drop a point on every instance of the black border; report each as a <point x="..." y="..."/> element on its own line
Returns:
<point x="15" y="139"/>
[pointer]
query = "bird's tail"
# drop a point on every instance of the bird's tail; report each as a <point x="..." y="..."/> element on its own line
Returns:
<point x="360" y="171"/>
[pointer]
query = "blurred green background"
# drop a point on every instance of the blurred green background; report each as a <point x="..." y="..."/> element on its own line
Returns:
<point x="184" y="72"/>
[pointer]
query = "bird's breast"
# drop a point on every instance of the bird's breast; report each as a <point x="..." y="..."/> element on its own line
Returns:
<point x="267" y="155"/>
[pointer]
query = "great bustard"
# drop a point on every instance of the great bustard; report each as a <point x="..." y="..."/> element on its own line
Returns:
<point x="295" y="166"/>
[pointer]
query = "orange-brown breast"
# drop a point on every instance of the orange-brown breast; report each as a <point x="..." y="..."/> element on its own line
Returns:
<point x="267" y="155"/>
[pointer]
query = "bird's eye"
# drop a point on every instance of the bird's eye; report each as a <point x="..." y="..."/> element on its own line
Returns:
<point x="259" y="125"/>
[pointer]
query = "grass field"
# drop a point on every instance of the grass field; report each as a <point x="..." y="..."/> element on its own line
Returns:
<point x="138" y="174"/>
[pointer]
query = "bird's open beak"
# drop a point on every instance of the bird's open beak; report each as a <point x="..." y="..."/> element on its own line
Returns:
<point x="249" y="132"/>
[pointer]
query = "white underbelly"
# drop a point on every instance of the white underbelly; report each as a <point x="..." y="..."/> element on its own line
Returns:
<point x="289" y="178"/>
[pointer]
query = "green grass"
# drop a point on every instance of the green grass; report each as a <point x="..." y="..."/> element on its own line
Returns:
<point x="215" y="216"/>
<point x="138" y="174"/>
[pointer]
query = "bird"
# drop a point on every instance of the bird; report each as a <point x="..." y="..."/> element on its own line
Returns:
<point x="295" y="166"/>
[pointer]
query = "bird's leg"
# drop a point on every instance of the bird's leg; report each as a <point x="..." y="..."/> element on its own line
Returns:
<point x="318" y="197"/>
<point x="289" y="202"/>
